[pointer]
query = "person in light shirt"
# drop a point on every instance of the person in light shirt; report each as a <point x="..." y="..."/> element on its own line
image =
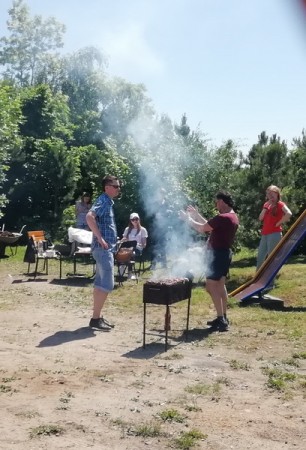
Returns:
<point x="135" y="232"/>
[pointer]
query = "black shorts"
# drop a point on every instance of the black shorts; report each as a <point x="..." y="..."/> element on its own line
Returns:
<point x="218" y="263"/>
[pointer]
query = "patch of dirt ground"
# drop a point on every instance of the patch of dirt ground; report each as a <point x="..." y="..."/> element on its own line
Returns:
<point x="63" y="385"/>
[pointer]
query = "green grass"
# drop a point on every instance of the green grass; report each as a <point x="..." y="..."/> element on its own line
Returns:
<point x="239" y="365"/>
<point x="189" y="439"/>
<point x="202" y="389"/>
<point x="289" y="383"/>
<point x="46" y="430"/>
<point x="171" y="415"/>
<point x="147" y="430"/>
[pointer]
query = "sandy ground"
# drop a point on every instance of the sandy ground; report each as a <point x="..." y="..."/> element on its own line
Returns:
<point x="65" y="386"/>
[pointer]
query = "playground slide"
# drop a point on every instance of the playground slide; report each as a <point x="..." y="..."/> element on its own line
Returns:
<point x="274" y="262"/>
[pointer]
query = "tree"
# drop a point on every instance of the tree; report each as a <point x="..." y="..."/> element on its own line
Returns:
<point x="83" y="81"/>
<point x="45" y="128"/>
<point x="10" y="118"/>
<point x="183" y="129"/>
<point x="30" y="43"/>
<point x="296" y="191"/>
<point x="46" y="187"/>
<point x="121" y="104"/>
<point x="46" y="114"/>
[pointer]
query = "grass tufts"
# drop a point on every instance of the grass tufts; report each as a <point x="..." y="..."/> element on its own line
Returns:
<point x="171" y="415"/>
<point x="189" y="439"/>
<point x="46" y="430"/>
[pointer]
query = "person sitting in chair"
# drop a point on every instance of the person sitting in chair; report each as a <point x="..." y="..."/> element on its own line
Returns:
<point x="135" y="232"/>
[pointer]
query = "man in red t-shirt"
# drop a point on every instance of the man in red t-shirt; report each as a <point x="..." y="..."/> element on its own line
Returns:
<point x="222" y="229"/>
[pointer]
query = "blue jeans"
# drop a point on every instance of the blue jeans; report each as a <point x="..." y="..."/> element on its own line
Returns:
<point x="104" y="279"/>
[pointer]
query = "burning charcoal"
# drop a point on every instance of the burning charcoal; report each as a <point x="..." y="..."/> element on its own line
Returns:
<point x="167" y="281"/>
<point x="166" y="290"/>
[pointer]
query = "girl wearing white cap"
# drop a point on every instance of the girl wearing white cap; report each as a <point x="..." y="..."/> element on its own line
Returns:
<point x="135" y="232"/>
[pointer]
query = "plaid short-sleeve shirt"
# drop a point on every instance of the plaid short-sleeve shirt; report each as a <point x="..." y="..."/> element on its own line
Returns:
<point x="103" y="209"/>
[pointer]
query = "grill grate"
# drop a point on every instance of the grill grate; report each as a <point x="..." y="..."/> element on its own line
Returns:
<point x="166" y="292"/>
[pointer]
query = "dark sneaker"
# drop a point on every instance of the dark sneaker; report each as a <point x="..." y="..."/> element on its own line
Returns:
<point x="220" y="324"/>
<point x="99" y="324"/>
<point x="215" y="321"/>
<point x="107" y="322"/>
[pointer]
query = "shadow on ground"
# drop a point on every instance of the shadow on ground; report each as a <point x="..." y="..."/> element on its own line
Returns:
<point x="155" y="348"/>
<point x="35" y="280"/>
<point x="62" y="337"/>
<point x="78" y="281"/>
<point x="272" y="303"/>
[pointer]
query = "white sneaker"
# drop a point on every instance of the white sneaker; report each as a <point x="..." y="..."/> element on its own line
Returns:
<point x="132" y="277"/>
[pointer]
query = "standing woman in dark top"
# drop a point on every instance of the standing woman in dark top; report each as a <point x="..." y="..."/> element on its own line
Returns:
<point x="222" y="229"/>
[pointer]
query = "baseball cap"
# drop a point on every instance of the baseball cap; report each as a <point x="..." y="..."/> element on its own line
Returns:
<point x="134" y="216"/>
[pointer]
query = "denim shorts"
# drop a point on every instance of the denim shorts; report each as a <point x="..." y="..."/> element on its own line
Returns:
<point x="104" y="278"/>
<point x="218" y="263"/>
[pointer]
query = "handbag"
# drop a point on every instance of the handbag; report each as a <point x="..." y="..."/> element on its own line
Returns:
<point x="124" y="255"/>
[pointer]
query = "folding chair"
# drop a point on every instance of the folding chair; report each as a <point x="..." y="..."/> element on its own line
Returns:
<point x="37" y="249"/>
<point x="144" y="260"/>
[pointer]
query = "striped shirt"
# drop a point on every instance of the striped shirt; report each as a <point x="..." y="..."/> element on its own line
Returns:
<point x="103" y="209"/>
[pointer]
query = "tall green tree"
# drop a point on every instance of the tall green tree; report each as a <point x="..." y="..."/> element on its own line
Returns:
<point x="42" y="160"/>
<point x="121" y="104"/>
<point x="10" y="119"/>
<point x="82" y="80"/>
<point x="31" y="42"/>
<point x="296" y="190"/>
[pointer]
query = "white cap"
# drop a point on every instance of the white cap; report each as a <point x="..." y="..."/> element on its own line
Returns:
<point x="134" y="216"/>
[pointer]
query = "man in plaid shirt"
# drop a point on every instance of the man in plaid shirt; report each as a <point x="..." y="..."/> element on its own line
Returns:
<point x="101" y="221"/>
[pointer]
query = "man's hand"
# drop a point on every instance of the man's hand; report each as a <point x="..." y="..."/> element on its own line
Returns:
<point x="103" y="243"/>
<point x="193" y="212"/>
<point x="183" y="215"/>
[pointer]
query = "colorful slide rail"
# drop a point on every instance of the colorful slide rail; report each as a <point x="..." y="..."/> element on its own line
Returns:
<point x="274" y="262"/>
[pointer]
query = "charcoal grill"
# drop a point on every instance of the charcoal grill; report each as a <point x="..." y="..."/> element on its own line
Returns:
<point x="8" y="238"/>
<point x="166" y="292"/>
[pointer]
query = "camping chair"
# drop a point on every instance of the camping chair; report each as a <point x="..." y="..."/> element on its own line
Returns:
<point x="125" y="259"/>
<point x="81" y="248"/>
<point x="145" y="257"/>
<point x="40" y="248"/>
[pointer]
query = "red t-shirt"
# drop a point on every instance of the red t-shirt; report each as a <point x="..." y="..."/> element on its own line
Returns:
<point x="224" y="229"/>
<point x="272" y="216"/>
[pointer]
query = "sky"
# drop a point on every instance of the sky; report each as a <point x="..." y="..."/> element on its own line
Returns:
<point x="234" y="67"/>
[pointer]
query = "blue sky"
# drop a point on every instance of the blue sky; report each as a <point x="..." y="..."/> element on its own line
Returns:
<point x="235" y="67"/>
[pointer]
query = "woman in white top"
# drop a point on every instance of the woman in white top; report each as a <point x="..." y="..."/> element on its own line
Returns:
<point x="135" y="232"/>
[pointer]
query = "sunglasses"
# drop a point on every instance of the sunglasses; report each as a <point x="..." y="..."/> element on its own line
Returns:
<point x="133" y="220"/>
